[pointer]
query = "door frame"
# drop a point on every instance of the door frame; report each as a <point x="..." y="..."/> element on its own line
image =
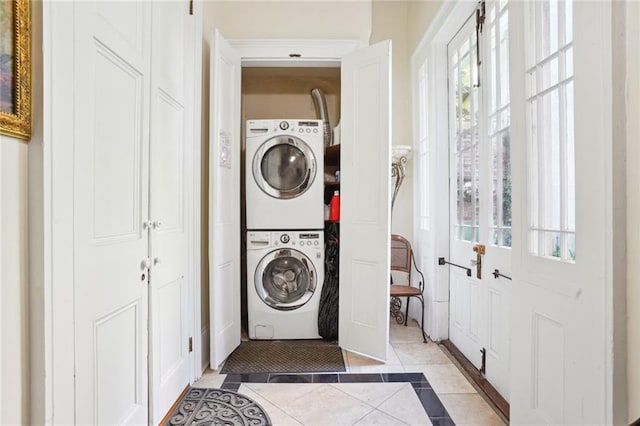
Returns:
<point x="57" y="310"/>
<point x="433" y="242"/>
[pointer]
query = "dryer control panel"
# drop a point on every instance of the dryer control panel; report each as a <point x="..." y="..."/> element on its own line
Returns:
<point x="295" y="239"/>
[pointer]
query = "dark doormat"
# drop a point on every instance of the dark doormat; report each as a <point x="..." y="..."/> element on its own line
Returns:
<point x="217" y="407"/>
<point x="285" y="356"/>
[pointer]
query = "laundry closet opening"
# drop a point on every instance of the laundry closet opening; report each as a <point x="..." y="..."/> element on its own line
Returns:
<point x="283" y="93"/>
<point x="258" y="89"/>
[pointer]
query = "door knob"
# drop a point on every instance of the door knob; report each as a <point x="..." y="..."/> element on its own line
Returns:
<point x="156" y="261"/>
<point x="157" y="224"/>
<point x="145" y="264"/>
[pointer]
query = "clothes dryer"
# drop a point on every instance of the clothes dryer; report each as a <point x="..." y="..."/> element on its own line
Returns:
<point x="285" y="274"/>
<point x="284" y="174"/>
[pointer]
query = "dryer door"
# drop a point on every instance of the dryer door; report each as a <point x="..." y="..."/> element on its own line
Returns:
<point x="285" y="279"/>
<point x="284" y="167"/>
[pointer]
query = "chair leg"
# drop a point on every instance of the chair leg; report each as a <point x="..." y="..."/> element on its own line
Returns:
<point x="424" y="336"/>
<point x="406" y="312"/>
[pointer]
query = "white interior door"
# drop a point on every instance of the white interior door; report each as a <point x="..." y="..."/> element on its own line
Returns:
<point x="170" y="153"/>
<point x="480" y="209"/>
<point x="110" y="205"/>
<point x="561" y="295"/>
<point x="224" y="200"/>
<point x="365" y="201"/>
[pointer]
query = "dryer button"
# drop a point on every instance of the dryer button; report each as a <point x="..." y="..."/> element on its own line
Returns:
<point x="308" y="243"/>
<point x="315" y="243"/>
<point x="315" y="130"/>
<point x="308" y="130"/>
<point x="284" y="238"/>
<point x="301" y="130"/>
<point x="284" y="125"/>
<point x="301" y="243"/>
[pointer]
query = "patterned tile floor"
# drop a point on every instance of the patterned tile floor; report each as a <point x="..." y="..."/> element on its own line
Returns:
<point x="371" y="392"/>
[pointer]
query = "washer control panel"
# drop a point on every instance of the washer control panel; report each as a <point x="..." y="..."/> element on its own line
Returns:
<point x="298" y="239"/>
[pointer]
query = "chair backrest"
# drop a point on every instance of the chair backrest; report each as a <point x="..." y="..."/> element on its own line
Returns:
<point x="400" y="254"/>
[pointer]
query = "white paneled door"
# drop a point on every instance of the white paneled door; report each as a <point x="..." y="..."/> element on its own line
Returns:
<point x="480" y="194"/>
<point x="365" y="201"/>
<point x="224" y="202"/>
<point x="562" y="369"/>
<point x="171" y="124"/>
<point x="110" y="206"/>
<point x="132" y="103"/>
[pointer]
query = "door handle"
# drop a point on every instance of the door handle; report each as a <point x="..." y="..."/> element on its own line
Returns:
<point x="480" y="250"/>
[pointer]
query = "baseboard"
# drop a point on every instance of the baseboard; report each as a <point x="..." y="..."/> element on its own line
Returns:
<point x="501" y="405"/>
<point x="206" y="349"/>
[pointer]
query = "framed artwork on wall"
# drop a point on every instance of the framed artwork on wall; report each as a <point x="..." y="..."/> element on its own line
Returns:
<point x="15" y="68"/>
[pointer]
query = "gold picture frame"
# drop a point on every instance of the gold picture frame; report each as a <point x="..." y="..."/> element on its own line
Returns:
<point x="15" y="68"/>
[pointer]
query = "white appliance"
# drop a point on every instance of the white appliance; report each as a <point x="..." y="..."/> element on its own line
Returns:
<point x="284" y="174"/>
<point x="285" y="274"/>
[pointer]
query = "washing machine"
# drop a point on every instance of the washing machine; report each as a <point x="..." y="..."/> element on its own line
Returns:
<point x="285" y="274"/>
<point x="284" y="174"/>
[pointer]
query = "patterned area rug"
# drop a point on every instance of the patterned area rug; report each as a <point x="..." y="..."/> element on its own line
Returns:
<point x="218" y="407"/>
<point x="285" y="356"/>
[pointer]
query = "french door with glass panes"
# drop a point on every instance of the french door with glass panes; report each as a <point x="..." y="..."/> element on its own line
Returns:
<point x="480" y="193"/>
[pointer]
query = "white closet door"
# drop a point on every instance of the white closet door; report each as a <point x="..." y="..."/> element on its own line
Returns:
<point x="170" y="153"/>
<point x="365" y="201"/>
<point x="224" y="200"/>
<point x="110" y="95"/>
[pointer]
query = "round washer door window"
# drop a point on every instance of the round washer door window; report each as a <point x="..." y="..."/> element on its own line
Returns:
<point x="284" y="167"/>
<point x="285" y="279"/>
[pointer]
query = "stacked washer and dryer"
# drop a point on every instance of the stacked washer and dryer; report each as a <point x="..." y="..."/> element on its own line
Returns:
<point x="285" y="221"/>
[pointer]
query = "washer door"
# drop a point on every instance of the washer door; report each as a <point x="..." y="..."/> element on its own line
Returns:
<point x="285" y="279"/>
<point x="284" y="167"/>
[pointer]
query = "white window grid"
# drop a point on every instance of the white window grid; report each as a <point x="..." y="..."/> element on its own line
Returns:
<point x="464" y="67"/>
<point x="499" y="121"/>
<point x="550" y="139"/>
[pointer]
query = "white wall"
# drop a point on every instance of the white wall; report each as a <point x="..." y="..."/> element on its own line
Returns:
<point x="304" y="19"/>
<point x="15" y="261"/>
<point x="633" y="208"/>
<point x="389" y="22"/>
<point x="14" y="294"/>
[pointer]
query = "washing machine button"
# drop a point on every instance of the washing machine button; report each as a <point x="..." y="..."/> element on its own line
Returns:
<point x="308" y="130"/>
<point x="315" y="243"/>
<point x="315" y="130"/>
<point x="284" y="238"/>
<point x="308" y="243"/>
<point x="301" y="243"/>
<point x="284" y="125"/>
<point x="301" y="130"/>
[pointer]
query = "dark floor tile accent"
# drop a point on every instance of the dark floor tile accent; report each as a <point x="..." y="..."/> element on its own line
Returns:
<point x="290" y="378"/>
<point x="360" y="378"/>
<point x="325" y="378"/>
<point x="230" y="386"/>
<point x="442" y="421"/>
<point x="247" y="378"/>
<point x="406" y="377"/>
<point x="431" y="403"/>
<point x="421" y="385"/>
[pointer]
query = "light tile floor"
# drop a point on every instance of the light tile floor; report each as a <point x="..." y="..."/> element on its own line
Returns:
<point x="373" y="403"/>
